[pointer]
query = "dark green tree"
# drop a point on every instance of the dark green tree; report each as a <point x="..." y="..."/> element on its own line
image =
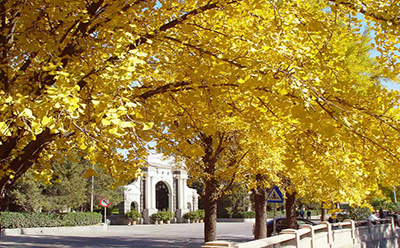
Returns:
<point x="70" y="188"/>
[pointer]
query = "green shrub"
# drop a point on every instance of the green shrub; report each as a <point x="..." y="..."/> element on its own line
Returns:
<point x="244" y="215"/>
<point x="156" y="216"/>
<point x="166" y="215"/>
<point x="11" y="220"/>
<point x="192" y="215"/>
<point x="200" y="213"/>
<point x="27" y="220"/>
<point x="134" y="215"/>
<point x="20" y="220"/>
<point x="81" y="219"/>
<point x="162" y="215"/>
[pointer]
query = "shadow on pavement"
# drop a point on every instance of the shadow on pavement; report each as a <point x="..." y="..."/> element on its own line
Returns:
<point x="71" y="241"/>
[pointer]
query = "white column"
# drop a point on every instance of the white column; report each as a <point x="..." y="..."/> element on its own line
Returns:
<point x="153" y="193"/>
<point x="148" y="193"/>
<point x="180" y="191"/>
<point x="184" y="193"/>
<point x="171" y="196"/>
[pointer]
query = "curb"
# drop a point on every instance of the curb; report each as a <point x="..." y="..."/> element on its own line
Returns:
<point x="51" y="230"/>
<point x="246" y="220"/>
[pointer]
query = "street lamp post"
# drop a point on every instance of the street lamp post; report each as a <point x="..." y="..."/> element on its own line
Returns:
<point x="91" y="195"/>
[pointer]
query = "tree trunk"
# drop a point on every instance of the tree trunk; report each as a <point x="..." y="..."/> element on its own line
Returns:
<point x="23" y="162"/>
<point x="210" y="213"/>
<point x="210" y="190"/>
<point x="260" y="202"/>
<point x="323" y="213"/>
<point x="291" y="210"/>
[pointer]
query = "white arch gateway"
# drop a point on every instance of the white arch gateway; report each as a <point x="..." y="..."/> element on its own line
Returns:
<point x="162" y="187"/>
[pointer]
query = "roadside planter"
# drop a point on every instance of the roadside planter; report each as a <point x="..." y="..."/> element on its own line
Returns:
<point x="200" y="215"/>
<point x="156" y="218"/>
<point x="167" y="216"/>
<point x="132" y="217"/>
<point x="162" y="216"/>
<point x="192" y="216"/>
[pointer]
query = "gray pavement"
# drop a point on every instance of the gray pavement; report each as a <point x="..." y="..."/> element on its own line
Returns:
<point x="172" y="235"/>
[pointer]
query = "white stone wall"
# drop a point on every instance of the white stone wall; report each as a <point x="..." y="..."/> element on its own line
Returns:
<point x="161" y="170"/>
<point x="132" y="194"/>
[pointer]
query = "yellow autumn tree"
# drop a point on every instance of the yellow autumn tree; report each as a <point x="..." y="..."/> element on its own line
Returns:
<point x="338" y="150"/>
<point x="97" y="74"/>
<point x="70" y="76"/>
<point x="312" y="91"/>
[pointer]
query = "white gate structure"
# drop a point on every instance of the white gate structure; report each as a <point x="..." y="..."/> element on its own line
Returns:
<point x="347" y="234"/>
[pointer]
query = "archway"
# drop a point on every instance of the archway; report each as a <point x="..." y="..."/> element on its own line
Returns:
<point x="162" y="193"/>
<point x="134" y="206"/>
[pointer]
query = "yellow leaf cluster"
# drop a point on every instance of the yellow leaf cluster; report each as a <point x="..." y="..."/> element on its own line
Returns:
<point x="286" y="89"/>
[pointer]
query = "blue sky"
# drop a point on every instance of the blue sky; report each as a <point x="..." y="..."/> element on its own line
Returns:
<point x="392" y="86"/>
<point x="374" y="53"/>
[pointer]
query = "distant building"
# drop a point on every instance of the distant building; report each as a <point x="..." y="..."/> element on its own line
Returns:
<point x="162" y="187"/>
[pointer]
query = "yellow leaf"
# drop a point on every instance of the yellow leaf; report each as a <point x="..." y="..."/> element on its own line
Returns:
<point x="127" y="124"/>
<point x="28" y="113"/>
<point x="148" y="125"/>
<point x="241" y="81"/>
<point x="138" y="115"/>
<point x="90" y="173"/>
<point x="116" y="121"/>
<point x="105" y="122"/>
<point x="283" y="91"/>
<point x="50" y="67"/>
<point x="47" y="120"/>
<point x="72" y="100"/>
<point x="82" y="146"/>
<point x="113" y="130"/>
<point x="4" y="129"/>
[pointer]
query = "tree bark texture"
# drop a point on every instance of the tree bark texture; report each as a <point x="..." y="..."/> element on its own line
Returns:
<point x="260" y="202"/>
<point x="291" y="210"/>
<point x="23" y="162"/>
<point x="210" y="190"/>
<point x="210" y="213"/>
<point x="323" y="213"/>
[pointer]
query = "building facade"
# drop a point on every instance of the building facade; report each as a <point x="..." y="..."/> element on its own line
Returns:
<point x="162" y="187"/>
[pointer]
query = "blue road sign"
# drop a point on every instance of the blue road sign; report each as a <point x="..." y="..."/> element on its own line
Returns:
<point x="275" y="196"/>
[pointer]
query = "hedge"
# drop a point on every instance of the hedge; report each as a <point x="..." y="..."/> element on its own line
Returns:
<point x="27" y="220"/>
<point x="81" y="219"/>
<point x="244" y="214"/>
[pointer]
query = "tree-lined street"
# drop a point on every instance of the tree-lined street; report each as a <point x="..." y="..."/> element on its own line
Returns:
<point x="260" y="93"/>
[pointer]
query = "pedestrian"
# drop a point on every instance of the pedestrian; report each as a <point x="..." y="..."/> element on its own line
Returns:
<point x="308" y="214"/>
<point x="382" y="214"/>
<point x="302" y="213"/>
<point x="373" y="218"/>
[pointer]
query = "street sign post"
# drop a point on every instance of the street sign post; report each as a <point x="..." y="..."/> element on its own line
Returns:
<point x="105" y="203"/>
<point x="275" y="196"/>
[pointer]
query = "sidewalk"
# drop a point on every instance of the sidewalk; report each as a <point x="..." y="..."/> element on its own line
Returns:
<point x="51" y="230"/>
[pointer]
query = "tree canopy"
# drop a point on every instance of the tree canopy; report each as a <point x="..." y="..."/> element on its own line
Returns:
<point x="69" y="188"/>
<point x="219" y="82"/>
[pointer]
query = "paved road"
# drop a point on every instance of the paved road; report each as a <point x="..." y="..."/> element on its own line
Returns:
<point x="173" y="235"/>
